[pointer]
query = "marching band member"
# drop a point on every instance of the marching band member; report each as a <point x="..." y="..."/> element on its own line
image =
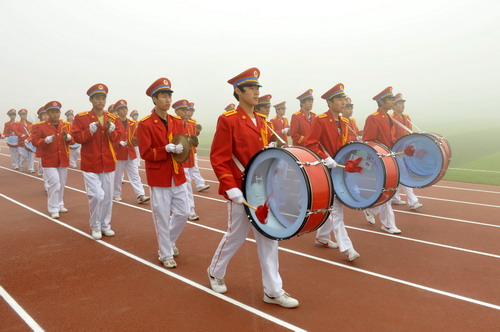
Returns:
<point x="378" y="128"/>
<point x="328" y="133"/>
<point x="42" y="116"/>
<point x="23" y="131"/>
<point x="353" y="131"/>
<point x="239" y="135"/>
<point x="196" y="175"/>
<point x="126" y="156"/>
<point x="301" y="121"/>
<point x="9" y="130"/>
<point x="165" y="176"/>
<point x="111" y="109"/>
<point x="97" y="130"/>
<point x="74" y="149"/>
<point x="264" y="105"/>
<point x="398" y="114"/>
<point x="280" y="123"/>
<point x="51" y="137"/>
<point x="135" y="115"/>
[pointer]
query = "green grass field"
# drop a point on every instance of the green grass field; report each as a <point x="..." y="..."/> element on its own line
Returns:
<point x="476" y="151"/>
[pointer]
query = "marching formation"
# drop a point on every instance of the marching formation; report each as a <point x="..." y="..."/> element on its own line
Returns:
<point x="272" y="187"/>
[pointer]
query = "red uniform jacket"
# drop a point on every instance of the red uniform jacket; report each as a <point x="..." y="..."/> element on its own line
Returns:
<point x="55" y="154"/>
<point x="353" y="134"/>
<point x="9" y="129"/>
<point x="152" y="136"/>
<point x="399" y="132"/>
<point x="279" y="124"/>
<point x="299" y="127"/>
<point x="190" y="129"/>
<point x="378" y="128"/>
<point x="237" y="135"/>
<point x="23" y="131"/>
<point x="97" y="154"/>
<point x="127" y="151"/>
<point x="326" y="134"/>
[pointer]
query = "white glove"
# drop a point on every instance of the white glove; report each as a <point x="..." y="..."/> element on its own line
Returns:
<point x="272" y="145"/>
<point x="68" y="137"/>
<point x="3" y="136"/>
<point x="285" y="131"/>
<point x="93" y="127"/>
<point x="330" y="163"/>
<point x="123" y="143"/>
<point x="235" y="195"/>
<point x="49" y="139"/>
<point x="23" y="135"/>
<point x="179" y="148"/>
<point x="172" y="148"/>
<point x="111" y="127"/>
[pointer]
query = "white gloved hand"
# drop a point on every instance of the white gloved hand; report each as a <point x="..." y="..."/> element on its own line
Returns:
<point x="170" y="148"/>
<point x="93" y="127"/>
<point x="330" y="163"/>
<point x="3" y="136"/>
<point x="49" y="139"/>
<point x="179" y="148"/>
<point x="111" y="127"/>
<point x="68" y="137"/>
<point x="285" y="131"/>
<point x="123" y="143"/>
<point x="23" y="135"/>
<point x="272" y="145"/>
<point x="235" y="195"/>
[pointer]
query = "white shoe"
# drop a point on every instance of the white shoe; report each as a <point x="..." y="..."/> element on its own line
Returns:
<point x="193" y="217"/>
<point x="97" y="235"/>
<point x="141" y="199"/>
<point x="284" y="300"/>
<point x="55" y="215"/>
<point x="326" y="244"/>
<point x="108" y="232"/>
<point x="169" y="263"/>
<point x="398" y="202"/>
<point x="176" y="251"/>
<point x="369" y="216"/>
<point x="201" y="188"/>
<point x="352" y="254"/>
<point x="218" y="285"/>
<point x="63" y="210"/>
<point x="117" y="198"/>
<point x="392" y="230"/>
<point x="415" y="206"/>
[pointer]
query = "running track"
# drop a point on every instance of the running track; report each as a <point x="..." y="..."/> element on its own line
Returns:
<point x="442" y="273"/>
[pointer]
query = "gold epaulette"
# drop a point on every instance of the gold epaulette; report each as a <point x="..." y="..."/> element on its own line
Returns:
<point x="376" y="113"/>
<point x="298" y="113"/>
<point x="322" y="115"/>
<point x="82" y="113"/>
<point x="112" y="116"/>
<point x="346" y="120"/>
<point x="261" y="115"/>
<point x="38" y="123"/>
<point x="176" y="117"/>
<point x="229" y="113"/>
<point x="192" y="121"/>
<point x="145" y="118"/>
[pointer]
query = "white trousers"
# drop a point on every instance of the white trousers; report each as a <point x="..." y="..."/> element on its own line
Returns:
<point x="14" y="157"/>
<point x="138" y="159"/>
<point x="133" y="176"/>
<point x="200" y="181"/>
<point x="411" y="198"/>
<point x="386" y="214"/>
<point x="238" y="228"/>
<point x="40" y="168"/>
<point x="335" y="224"/>
<point x="73" y="156"/>
<point x="99" y="188"/>
<point x="54" y="182"/>
<point x="189" y="188"/>
<point x="27" y="157"/>
<point x="168" y="227"/>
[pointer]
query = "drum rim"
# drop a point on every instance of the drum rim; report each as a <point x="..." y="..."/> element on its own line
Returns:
<point x="247" y="209"/>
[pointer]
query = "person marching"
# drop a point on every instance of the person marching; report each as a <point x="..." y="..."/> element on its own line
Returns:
<point x="9" y="132"/>
<point x="378" y="128"/>
<point x="74" y="149"/>
<point x="51" y="137"/>
<point x="264" y="105"/>
<point x="126" y="156"/>
<point x="239" y="135"/>
<point x="353" y="131"/>
<point x="135" y="115"/>
<point x="398" y="115"/>
<point x="23" y="131"/>
<point x="196" y="175"/>
<point x="164" y="174"/>
<point x="97" y="130"/>
<point x="328" y="133"/>
<point x="280" y="123"/>
<point x="301" y="121"/>
<point x="42" y="116"/>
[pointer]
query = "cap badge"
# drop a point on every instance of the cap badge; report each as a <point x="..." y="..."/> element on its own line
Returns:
<point x="101" y="87"/>
<point x="55" y="104"/>
<point x="255" y="74"/>
<point x="165" y="82"/>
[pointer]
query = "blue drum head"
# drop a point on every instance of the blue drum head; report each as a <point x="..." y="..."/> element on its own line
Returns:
<point x="275" y="176"/>
<point x="421" y="169"/>
<point x="358" y="190"/>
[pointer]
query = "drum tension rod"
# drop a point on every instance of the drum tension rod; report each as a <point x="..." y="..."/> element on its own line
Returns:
<point x="308" y="213"/>
<point x="307" y="163"/>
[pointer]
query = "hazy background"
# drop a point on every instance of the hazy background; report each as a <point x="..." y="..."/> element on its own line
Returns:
<point x="444" y="56"/>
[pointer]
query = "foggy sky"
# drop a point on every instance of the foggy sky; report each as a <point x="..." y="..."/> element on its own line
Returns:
<point x="442" y="55"/>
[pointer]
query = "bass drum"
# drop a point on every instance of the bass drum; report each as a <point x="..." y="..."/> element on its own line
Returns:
<point x="428" y="164"/>
<point x="12" y="141"/>
<point x="29" y="146"/>
<point x="375" y="184"/>
<point x="296" y="186"/>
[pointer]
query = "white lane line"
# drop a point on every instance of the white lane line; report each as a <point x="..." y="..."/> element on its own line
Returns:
<point x="474" y="170"/>
<point x="467" y="189"/>
<point x="163" y="270"/>
<point x="455" y="201"/>
<point x="251" y="309"/>
<point x="19" y="310"/>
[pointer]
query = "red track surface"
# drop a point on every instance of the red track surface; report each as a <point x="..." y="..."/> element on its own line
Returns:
<point x="67" y="281"/>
